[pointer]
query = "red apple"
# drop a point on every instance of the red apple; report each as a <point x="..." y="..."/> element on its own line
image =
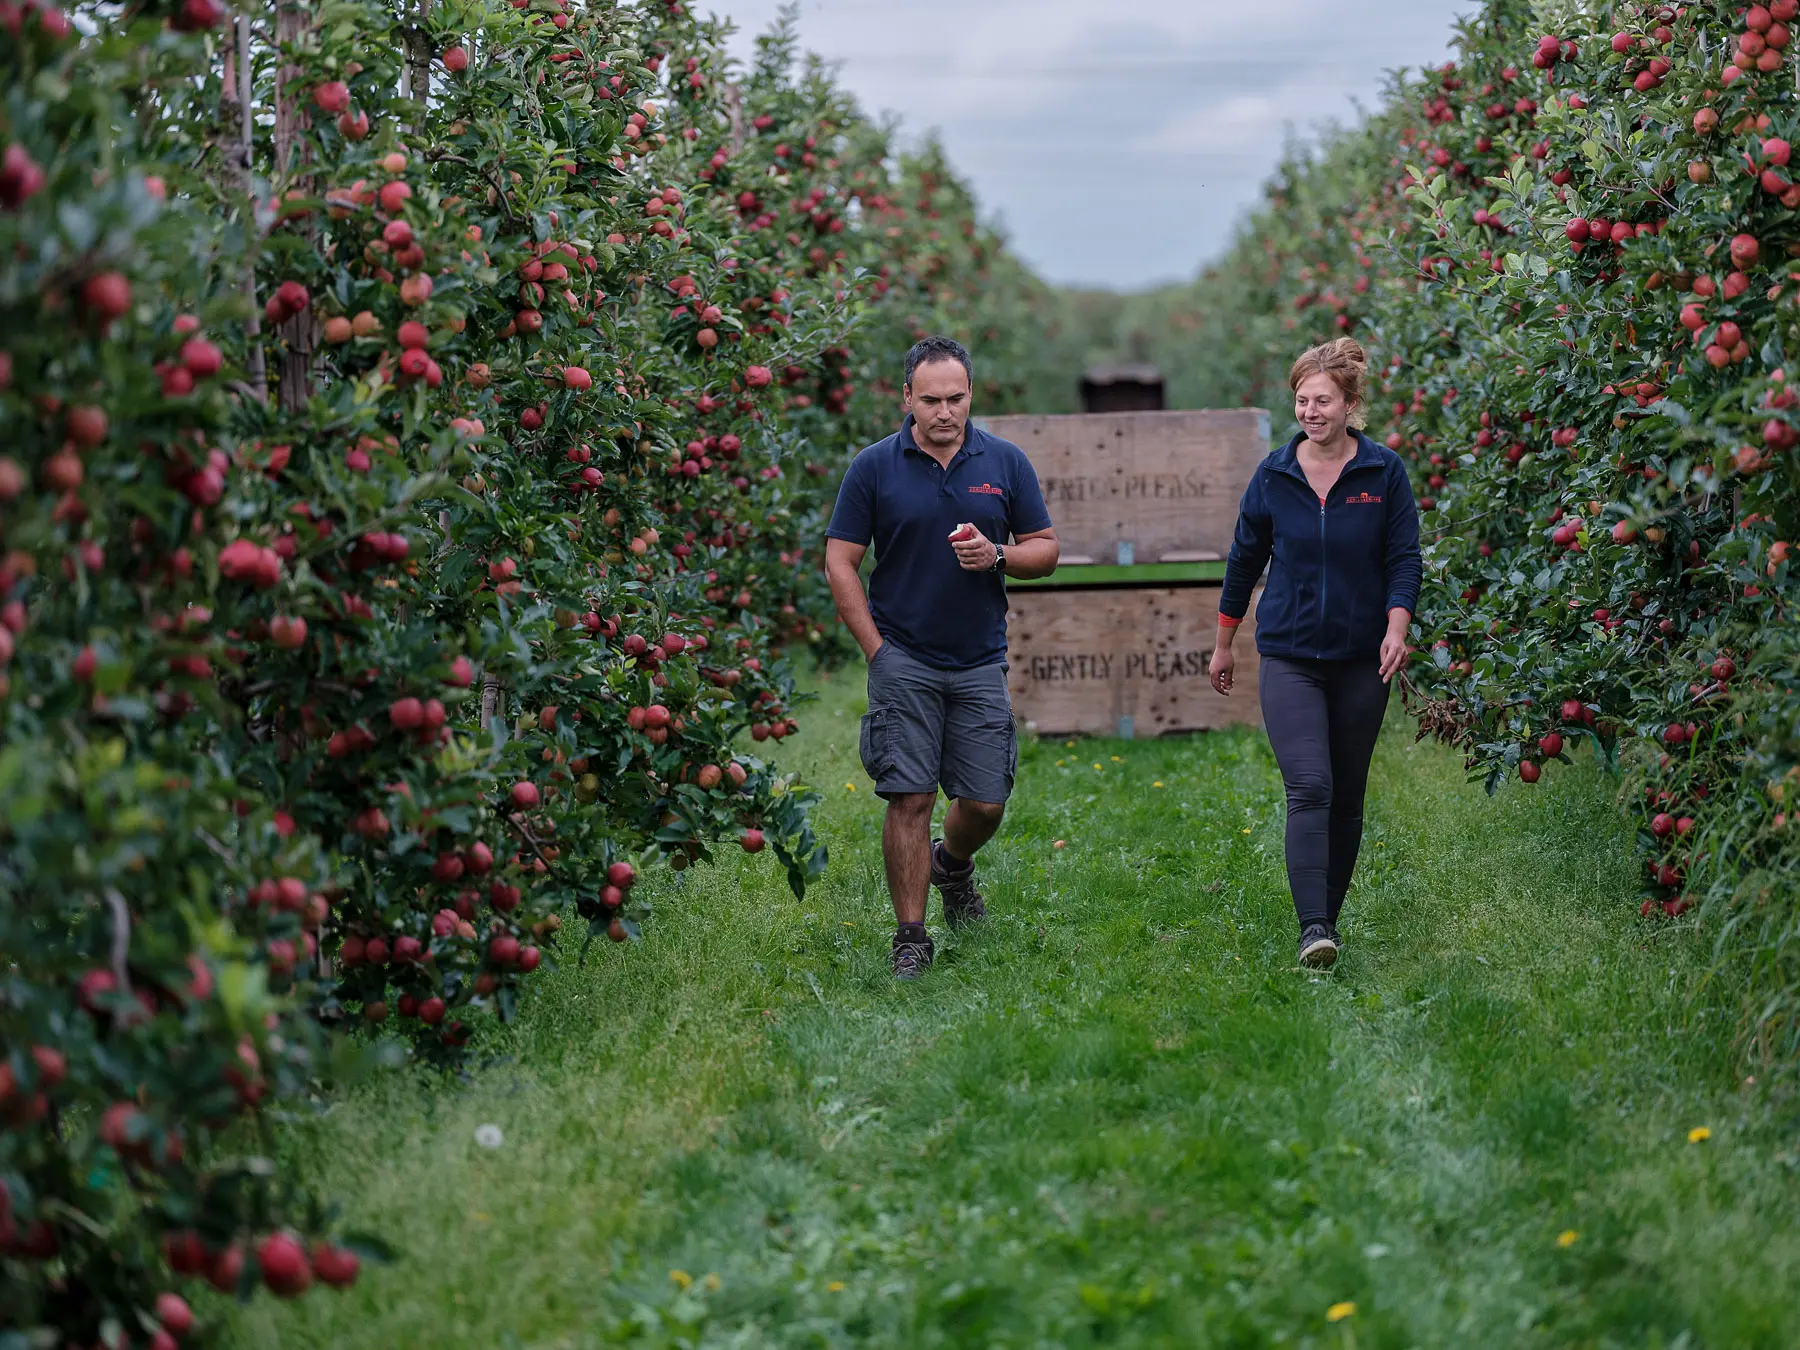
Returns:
<point x="335" y="1266"/>
<point x="283" y="1264"/>
<point x="332" y="97"/>
<point x="173" y="1313"/>
<point x="289" y="634"/>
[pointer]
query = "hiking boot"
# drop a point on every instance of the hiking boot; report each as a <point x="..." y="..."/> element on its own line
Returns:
<point x="962" y="902"/>
<point x="1318" y="946"/>
<point x="912" y="951"/>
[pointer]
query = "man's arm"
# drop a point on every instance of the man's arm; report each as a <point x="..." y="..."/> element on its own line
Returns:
<point x="1031" y="555"/>
<point x="842" y="559"/>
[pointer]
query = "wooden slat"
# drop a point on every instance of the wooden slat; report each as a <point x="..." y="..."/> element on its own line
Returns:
<point x="1082" y="660"/>
<point x="1166" y="483"/>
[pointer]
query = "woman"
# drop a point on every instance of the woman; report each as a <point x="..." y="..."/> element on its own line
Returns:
<point x="1335" y="513"/>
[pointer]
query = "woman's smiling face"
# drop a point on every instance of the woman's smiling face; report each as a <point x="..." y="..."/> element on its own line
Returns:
<point x="1321" y="410"/>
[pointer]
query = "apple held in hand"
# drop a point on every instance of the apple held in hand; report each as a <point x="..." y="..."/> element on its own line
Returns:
<point x="963" y="533"/>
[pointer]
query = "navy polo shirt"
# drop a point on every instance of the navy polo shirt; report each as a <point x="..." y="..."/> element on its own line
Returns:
<point x="898" y="497"/>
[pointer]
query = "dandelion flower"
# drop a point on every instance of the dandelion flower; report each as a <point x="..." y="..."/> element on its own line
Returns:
<point x="1117" y="760"/>
<point x="681" y="1278"/>
<point x="849" y="787"/>
<point x="835" y="1287"/>
<point x="1567" y="1237"/>
<point x="1157" y="783"/>
<point x="1096" y="766"/>
<point x="1699" y="1134"/>
<point x="711" y="1282"/>
<point x="1337" y="1312"/>
<point x="1247" y="829"/>
<point x="489" y="1136"/>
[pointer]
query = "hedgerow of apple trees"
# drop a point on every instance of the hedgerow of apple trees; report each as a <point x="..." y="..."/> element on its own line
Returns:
<point x="1575" y="252"/>
<point x="417" y="423"/>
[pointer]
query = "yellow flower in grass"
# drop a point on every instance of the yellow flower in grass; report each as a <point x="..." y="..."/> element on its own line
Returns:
<point x="835" y="1287"/>
<point x="1096" y="767"/>
<point x="1247" y="829"/>
<point x="1699" y="1134"/>
<point x="1337" y="1312"/>
<point x="849" y="787"/>
<point x="1567" y="1237"/>
<point x="681" y="1278"/>
<point x="712" y="1282"/>
<point x="1116" y="759"/>
<point x="1157" y="783"/>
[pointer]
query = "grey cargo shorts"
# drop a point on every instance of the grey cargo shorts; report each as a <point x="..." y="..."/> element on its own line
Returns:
<point x="927" y="728"/>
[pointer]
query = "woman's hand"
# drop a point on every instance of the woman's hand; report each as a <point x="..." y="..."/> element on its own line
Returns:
<point x="1221" y="667"/>
<point x="1393" y="646"/>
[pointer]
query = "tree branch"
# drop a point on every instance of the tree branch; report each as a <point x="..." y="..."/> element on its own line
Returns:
<point x="121" y="937"/>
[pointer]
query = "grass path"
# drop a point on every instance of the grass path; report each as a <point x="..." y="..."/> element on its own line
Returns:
<point x="1117" y="1115"/>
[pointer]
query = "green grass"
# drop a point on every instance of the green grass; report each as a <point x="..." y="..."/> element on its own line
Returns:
<point x="1107" y="574"/>
<point x="1116" y="1115"/>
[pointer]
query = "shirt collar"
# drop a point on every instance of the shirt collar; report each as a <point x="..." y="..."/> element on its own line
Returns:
<point x="1287" y="458"/>
<point x="973" y="440"/>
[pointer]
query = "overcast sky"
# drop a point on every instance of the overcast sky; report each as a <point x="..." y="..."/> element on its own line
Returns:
<point x="1118" y="140"/>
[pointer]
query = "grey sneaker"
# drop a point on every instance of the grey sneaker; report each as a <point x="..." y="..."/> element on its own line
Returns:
<point x="962" y="902"/>
<point x="1318" y="946"/>
<point x="912" y="952"/>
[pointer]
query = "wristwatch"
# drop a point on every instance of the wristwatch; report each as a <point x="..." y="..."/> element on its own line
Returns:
<point x="999" y="559"/>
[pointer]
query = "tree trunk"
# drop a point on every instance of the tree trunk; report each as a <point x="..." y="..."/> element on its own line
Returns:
<point x="734" y="105"/>
<point x="236" y="98"/>
<point x="418" y="65"/>
<point x="300" y="332"/>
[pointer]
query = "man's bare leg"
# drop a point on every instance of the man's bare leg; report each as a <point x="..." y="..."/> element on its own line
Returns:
<point x="906" y="848"/>
<point x="968" y="825"/>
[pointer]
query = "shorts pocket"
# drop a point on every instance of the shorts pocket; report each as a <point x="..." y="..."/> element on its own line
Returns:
<point x="872" y="743"/>
<point x="1012" y="749"/>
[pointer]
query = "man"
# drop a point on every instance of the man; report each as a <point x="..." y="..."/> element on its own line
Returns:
<point x="939" y="499"/>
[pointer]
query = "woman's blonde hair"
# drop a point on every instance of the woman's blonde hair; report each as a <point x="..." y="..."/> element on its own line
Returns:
<point x="1348" y="365"/>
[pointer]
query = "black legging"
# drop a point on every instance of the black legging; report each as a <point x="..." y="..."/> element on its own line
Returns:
<point x="1323" y="718"/>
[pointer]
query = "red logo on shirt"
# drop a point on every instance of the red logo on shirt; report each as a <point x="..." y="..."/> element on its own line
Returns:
<point x="1364" y="500"/>
<point x="989" y="488"/>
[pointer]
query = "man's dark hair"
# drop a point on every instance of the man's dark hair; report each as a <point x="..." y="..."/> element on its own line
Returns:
<point x="927" y="350"/>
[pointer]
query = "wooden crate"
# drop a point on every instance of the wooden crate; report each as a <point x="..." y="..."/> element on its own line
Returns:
<point x="1125" y="662"/>
<point x="1142" y="487"/>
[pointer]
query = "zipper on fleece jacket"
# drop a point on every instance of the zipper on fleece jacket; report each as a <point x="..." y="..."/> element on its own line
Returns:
<point x="1324" y="579"/>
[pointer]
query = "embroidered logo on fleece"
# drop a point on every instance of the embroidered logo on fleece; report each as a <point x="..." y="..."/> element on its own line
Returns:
<point x="991" y="490"/>
<point x="1363" y="500"/>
